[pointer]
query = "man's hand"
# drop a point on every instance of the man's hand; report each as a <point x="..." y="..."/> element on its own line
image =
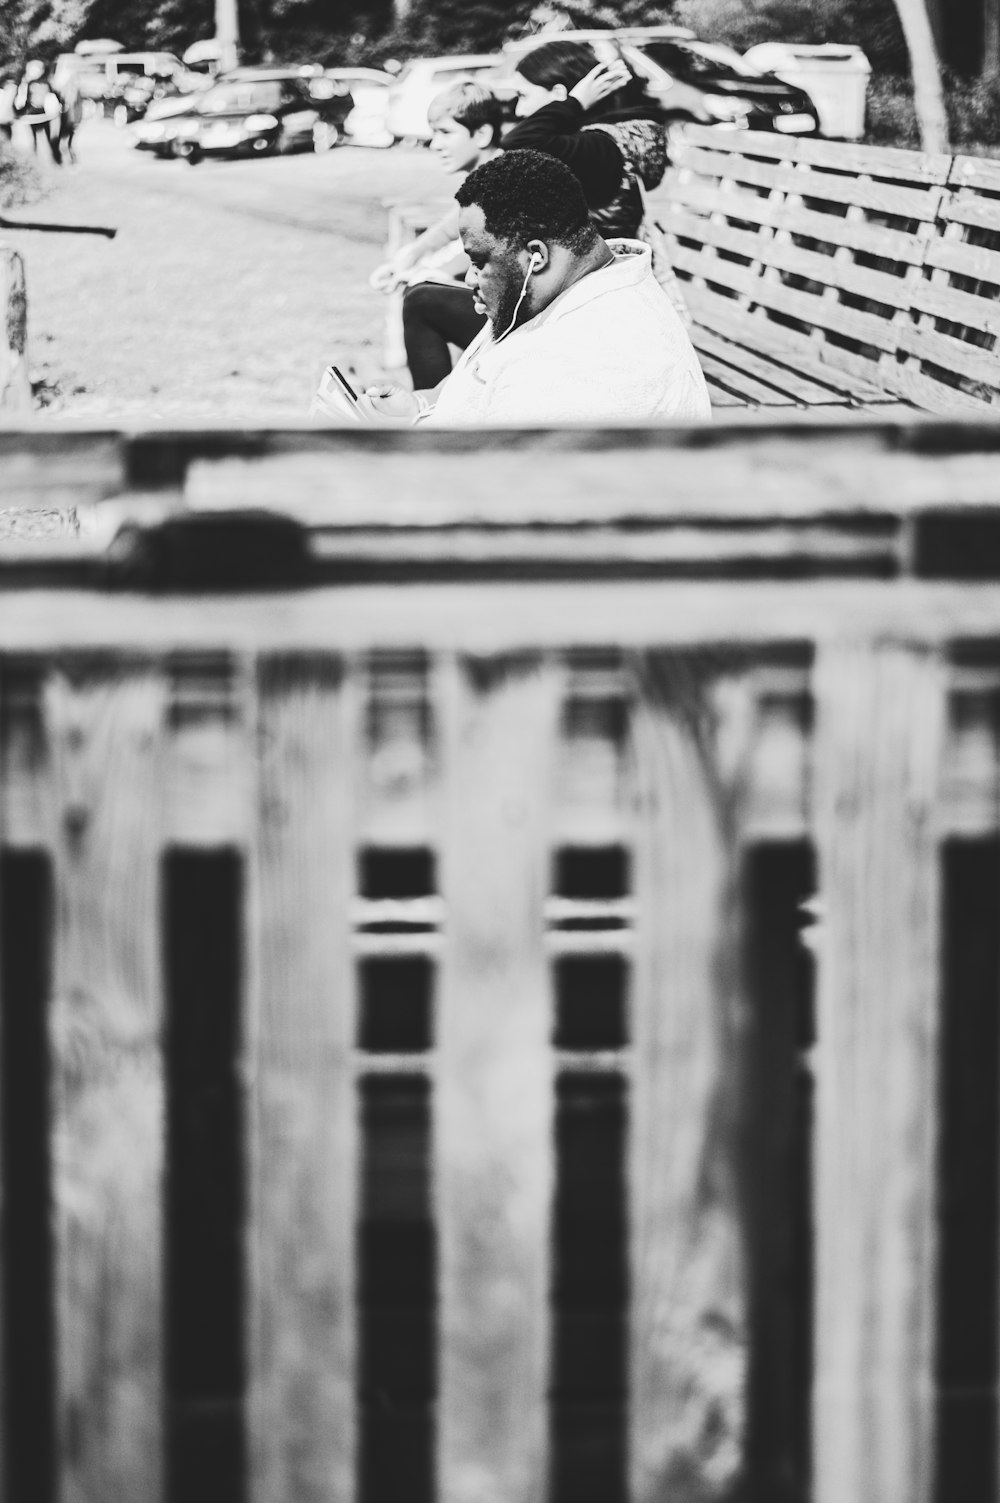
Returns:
<point x="388" y="403"/>
<point x="599" y="83"/>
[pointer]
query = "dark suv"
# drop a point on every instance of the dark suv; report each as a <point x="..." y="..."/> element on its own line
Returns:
<point x="710" y="83"/>
<point x="259" y="114"/>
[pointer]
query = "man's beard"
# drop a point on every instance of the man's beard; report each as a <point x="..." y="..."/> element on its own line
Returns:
<point x="507" y="301"/>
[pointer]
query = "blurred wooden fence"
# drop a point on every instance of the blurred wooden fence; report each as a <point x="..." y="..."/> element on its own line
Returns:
<point x="457" y="795"/>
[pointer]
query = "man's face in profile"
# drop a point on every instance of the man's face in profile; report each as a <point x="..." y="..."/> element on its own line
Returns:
<point x="495" y="273"/>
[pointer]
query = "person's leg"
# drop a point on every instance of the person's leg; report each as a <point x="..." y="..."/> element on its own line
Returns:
<point x="434" y="316"/>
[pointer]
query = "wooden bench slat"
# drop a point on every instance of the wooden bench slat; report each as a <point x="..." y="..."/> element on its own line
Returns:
<point x="976" y="213"/>
<point x="494" y="1097"/>
<point x="721" y="398"/>
<point x="933" y="395"/>
<point x="106" y="734"/>
<point x="781" y="344"/>
<point x="883" y="198"/>
<point x="800" y="388"/>
<point x="978" y="313"/>
<point x="741" y="383"/>
<point x="778" y="214"/>
<point x="964" y="259"/>
<point x="300" y="1034"/>
<point x="690" y="733"/>
<point x="861" y="281"/>
<point x="982" y="173"/>
<point x="951" y="354"/>
<point x="880" y="718"/>
<point x="893" y="163"/>
<point x="867" y="328"/>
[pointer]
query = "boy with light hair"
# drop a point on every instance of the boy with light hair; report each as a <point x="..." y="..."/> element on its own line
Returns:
<point x="465" y="121"/>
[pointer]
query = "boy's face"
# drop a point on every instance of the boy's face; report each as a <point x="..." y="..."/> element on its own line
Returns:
<point x="456" y="147"/>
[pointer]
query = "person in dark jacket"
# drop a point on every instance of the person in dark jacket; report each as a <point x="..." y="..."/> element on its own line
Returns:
<point x="597" y="119"/>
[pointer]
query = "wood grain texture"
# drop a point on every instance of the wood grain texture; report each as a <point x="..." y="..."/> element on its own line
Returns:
<point x="684" y="194"/>
<point x="884" y="287"/>
<point x="801" y="388"/>
<point x="833" y="187"/>
<point x="880" y="717"/>
<point x="105" y="733"/>
<point x="691" y="729"/>
<point x="301" y="1115"/>
<point x="636" y="613"/>
<point x="877" y="161"/>
<point x="494" y="1111"/>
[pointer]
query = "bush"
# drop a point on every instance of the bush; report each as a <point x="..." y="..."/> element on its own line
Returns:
<point x="20" y="182"/>
<point x="973" y="112"/>
<point x="872" y="25"/>
<point x="890" y="119"/>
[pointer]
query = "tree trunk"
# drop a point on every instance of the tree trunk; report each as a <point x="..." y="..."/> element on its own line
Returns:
<point x="932" y="120"/>
<point x="991" y="38"/>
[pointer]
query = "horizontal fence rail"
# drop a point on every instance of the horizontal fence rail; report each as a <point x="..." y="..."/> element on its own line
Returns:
<point x="497" y="974"/>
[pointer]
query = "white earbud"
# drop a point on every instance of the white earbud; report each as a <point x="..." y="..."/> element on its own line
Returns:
<point x="536" y="262"/>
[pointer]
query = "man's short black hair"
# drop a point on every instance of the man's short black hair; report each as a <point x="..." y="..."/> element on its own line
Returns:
<point x="526" y="195"/>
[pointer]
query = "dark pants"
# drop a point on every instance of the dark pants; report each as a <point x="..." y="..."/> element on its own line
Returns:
<point x="48" y="133"/>
<point x="436" y="315"/>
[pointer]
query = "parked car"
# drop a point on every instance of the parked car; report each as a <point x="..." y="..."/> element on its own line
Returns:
<point x="251" y="113"/>
<point x="695" y="80"/>
<point x="131" y="94"/>
<point x="104" y="77"/>
<point x="367" y="124"/>
<point x="420" y="79"/>
<point x="88" y="70"/>
<point x="729" y="90"/>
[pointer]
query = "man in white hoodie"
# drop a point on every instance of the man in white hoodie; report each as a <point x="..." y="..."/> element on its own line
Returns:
<point x="579" y="330"/>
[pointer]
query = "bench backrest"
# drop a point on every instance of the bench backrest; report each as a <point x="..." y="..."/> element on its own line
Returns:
<point x="880" y="258"/>
<point x="385" y="823"/>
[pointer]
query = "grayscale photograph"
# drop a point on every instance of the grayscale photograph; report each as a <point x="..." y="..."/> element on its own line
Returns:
<point x="499" y="751"/>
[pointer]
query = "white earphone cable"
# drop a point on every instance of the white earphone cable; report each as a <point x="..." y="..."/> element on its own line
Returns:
<point x="517" y="305"/>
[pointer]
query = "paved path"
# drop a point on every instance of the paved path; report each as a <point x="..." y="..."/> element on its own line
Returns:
<point x="226" y="287"/>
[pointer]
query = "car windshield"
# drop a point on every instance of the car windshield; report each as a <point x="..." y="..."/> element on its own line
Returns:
<point x="701" y="62"/>
<point x="245" y="96"/>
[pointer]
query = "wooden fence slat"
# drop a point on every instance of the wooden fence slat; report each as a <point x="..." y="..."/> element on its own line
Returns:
<point x="494" y="1105"/>
<point x="691" y="736"/>
<point x="880" y="715"/>
<point x="105" y="737"/>
<point x="301" y="1118"/>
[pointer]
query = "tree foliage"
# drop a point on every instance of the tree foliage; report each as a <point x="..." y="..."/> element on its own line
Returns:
<point x="872" y="25"/>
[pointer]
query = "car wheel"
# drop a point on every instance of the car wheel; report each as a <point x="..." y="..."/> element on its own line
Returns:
<point x="325" y="135"/>
<point x="264" y="146"/>
<point x="192" y="156"/>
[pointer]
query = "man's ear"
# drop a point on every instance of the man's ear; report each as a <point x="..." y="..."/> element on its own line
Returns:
<point x="560" y="91"/>
<point x="538" y="253"/>
<point x="483" y="136"/>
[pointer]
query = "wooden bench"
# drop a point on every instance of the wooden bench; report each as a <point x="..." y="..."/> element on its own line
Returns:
<point x="409" y="1066"/>
<point x="826" y="274"/>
